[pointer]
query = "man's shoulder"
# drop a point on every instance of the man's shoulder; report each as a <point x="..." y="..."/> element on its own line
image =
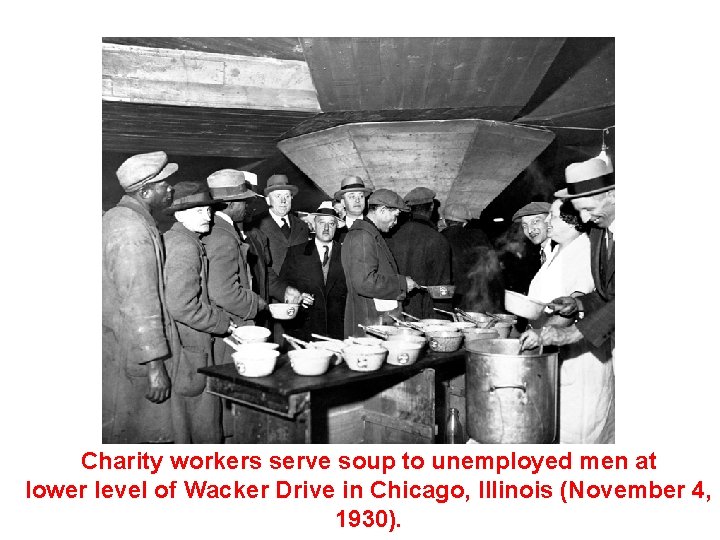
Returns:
<point x="126" y="221"/>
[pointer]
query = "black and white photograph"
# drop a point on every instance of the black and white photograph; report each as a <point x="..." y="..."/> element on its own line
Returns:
<point x="358" y="240"/>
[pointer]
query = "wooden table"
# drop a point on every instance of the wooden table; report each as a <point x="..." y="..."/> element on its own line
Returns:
<point x="392" y="404"/>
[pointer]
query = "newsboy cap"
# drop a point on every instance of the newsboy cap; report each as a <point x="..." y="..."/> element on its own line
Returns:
<point x="532" y="209"/>
<point x="189" y="195"/>
<point x="456" y="212"/>
<point x="419" y="195"/>
<point x="231" y="185"/>
<point x="386" y="197"/>
<point x="141" y="169"/>
<point x="277" y="182"/>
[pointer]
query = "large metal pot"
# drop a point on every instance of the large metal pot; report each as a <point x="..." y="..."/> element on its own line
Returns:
<point x="510" y="397"/>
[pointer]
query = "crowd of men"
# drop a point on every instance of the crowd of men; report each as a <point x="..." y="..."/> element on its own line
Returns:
<point x="170" y="299"/>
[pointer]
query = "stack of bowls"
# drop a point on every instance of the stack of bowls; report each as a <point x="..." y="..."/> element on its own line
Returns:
<point x="310" y="361"/>
<point x="251" y="334"/>
<point x="364" y="357"/>
<point x="255" y="359"/>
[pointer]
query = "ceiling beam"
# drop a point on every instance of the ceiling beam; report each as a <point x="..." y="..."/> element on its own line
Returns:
<point x="190" y="78"/>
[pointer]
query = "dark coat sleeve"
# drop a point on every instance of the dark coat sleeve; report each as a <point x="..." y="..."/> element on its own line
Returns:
<point x="132" y="264"/>
<point x="599" y="322"/>
<point x="223" y="284"/>
<point x="183" y="291"/>
<point x="362" y="267"/>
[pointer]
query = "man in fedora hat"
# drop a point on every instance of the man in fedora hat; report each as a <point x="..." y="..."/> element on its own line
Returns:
<point x="196" y="414"/>
<point x="282" y="228"/>
<point x="229" y="276"/>
<point x="353" y="192"/>
<point x="420" y="249"/>
<point x="374" y="284"/>
<point x="590" y="185"/>
<point x="316" y="269"/>
<point x="136" y="325"/>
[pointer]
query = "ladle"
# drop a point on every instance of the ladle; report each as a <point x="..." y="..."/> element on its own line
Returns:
<point x="447" y="313"/>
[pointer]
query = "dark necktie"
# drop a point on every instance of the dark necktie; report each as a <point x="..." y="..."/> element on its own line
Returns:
<point x="325" y="265"/>
<point x="285" y="227"/>
<point x="543" y="256"/>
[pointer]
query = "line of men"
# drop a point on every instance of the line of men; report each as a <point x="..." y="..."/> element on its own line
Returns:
<point x="169" y="300"/>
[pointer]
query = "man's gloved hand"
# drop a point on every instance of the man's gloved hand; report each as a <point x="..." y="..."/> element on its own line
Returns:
<point x="159" y="382"/>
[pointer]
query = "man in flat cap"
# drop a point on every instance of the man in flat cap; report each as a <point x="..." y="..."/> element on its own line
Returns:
<point x="282" y="228"/>
<point x="229" y="276"/>
<point x="590" y="185"/>
<point x="136" y="326"/>
<point x="316" y="268"/>
<point x="420" y="249"/>
<point x="533" y="219"/>
<point x="375" y="287"/>
<point x="196" y="414"/>
<point x="467" y="245"/>
<point x="352" y="193"/>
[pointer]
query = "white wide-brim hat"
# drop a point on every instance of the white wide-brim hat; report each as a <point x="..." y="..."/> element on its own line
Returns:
<point x="587" y="178"/>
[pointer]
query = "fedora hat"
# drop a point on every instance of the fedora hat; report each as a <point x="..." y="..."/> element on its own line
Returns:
<point x="189" y="195"/>
<point x="352" y="183"/>
<point x="326" y="209"/>
<point x="229" y="185"/>
<point x="587" y="178"/>
<point x="277" y="182"/>
<point x="141" y="169"/>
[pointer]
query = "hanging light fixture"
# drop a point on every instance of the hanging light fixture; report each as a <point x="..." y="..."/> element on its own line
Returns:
<point x="603" y="151"/>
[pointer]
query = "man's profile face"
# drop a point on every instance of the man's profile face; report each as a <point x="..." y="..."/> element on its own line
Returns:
<point x="236" y="210"/>
<point x="388" y="218"/>
<point x="597" y="209"/>
<point x="535" y="228"/>
<point x="160" y="195"/>
<point x="325" y="227"/>
<point x="280" y="202"/>
<point x="354" y="203"/>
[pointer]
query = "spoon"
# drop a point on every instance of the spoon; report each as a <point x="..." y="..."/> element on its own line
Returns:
<point x="410" y="316"/>
<point x="231" y="343"/>
<point x="447" y="313"/>
<point x="374" y="332"/>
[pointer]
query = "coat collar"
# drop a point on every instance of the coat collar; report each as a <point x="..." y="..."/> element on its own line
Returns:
<point x="130" y="202"/>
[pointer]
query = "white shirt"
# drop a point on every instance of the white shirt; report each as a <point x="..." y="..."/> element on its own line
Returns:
<point x="225" y="217"/>
<point x="280" y="220"/>
<point x="321" y="249"/>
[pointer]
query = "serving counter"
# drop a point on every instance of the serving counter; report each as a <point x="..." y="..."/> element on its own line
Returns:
<point x="395" y="404"/>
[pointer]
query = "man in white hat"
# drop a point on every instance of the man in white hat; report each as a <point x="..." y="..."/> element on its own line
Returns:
<point x="229" y="276"/>
<point x="352" y="193"/>
<point x="136" y="325"/>
<point x="590" y="185"/>
<point x="196" y="414"/>
<point x="316" y="268"/>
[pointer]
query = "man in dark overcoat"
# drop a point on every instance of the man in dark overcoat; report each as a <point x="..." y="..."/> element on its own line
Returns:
<point x="282" y="228"/>
<point x="229" y="277"/>
<point x="196" y="414"/>
<point x="420" y="250"/>
<point x="136" y="326"/>
<point x="352" y="195"/>
<point x="375" y="287"/>
<point x="316" y="269"/>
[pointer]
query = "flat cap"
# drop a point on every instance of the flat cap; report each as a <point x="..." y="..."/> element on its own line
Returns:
<point x="456" y="212"/>
<point x="141" y="169"/>
<point x="386" y="197"/>
<point x="419" y="195"/>
<point x="532" y="209"/>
